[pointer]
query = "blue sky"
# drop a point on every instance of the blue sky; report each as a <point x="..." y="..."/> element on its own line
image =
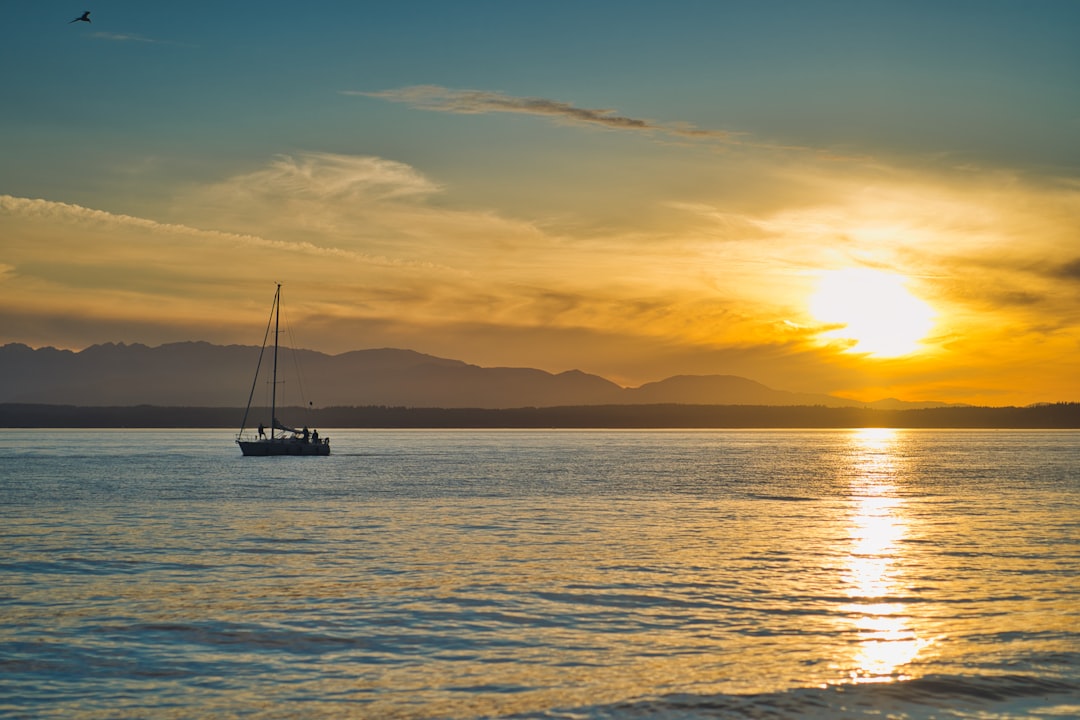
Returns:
<point x="636" y="189"/>
<point x="988" y="82"/>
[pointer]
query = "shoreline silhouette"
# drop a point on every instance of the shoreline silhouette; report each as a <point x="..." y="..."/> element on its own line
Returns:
<point x="1064" y="415"/>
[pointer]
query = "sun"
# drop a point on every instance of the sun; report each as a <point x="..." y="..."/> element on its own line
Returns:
<point x="874" y="311"/>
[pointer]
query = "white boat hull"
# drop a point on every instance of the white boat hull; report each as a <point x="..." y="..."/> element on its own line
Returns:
<point x="266" y="447"/>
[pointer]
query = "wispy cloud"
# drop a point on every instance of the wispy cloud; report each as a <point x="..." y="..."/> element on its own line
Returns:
<point x="130" y="37"/>
<point x="1069" y="270"/>
<point x="341" y="177"/>
<point x="477" y="102"/>
<point x="127" y="226"/>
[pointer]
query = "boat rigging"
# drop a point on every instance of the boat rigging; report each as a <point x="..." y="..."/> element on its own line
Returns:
<point x="289" y="441"/>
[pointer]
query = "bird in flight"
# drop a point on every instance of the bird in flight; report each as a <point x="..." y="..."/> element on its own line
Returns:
<point x="85" y="17"/>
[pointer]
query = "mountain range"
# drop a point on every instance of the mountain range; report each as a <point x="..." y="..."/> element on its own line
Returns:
<point x="199" y="374"/>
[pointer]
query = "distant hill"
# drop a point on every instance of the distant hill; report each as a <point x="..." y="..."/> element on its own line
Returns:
<point x="199" y="374"/>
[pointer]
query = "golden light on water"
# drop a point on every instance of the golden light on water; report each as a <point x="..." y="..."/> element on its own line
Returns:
<point x="874" y="309"/>
<point x="877" y="526"/>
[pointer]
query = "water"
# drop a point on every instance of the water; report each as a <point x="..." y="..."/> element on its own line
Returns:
<point x="542" y="574"/>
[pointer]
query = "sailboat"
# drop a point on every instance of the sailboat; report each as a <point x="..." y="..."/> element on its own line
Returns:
<point x="282" y="440"/>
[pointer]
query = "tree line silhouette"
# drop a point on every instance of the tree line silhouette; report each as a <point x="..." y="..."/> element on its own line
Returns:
<point x="666" y="416"/>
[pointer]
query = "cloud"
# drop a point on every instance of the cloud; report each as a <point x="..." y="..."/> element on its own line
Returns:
<point x="478" y="102"/>
<point x="375" y="252"/>
<point x="1069" y="270"/>
<point x="130" y="37"/>
<point x="72" y="249"/>
<point x="369" y="204"/>
<point x="328" y="176"/>
<point x="122" y="37"/>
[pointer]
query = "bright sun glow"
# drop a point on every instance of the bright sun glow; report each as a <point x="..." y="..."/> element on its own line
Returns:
<point x="875" y="310"/>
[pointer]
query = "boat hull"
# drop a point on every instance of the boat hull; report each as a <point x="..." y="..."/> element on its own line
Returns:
<point x="283" y="446"/>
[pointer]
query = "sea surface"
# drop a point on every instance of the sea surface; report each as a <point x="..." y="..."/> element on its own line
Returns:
<point x="542" y="574"/>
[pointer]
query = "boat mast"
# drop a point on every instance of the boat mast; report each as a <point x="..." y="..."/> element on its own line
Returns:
<point x="273" y="391"/>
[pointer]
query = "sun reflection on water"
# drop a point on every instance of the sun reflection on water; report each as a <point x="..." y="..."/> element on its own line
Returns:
<point x="886" y="641"/>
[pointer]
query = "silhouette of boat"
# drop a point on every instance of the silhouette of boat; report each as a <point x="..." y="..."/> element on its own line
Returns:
<point x="282" y="440"/>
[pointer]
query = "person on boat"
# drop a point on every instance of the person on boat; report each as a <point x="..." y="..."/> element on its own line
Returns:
<point x="306" y="434"/>
<point x="315" y="436"/>
<point x="262" y="431"/>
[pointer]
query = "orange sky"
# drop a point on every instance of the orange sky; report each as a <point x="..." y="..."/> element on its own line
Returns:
<point x="530" y="223"/>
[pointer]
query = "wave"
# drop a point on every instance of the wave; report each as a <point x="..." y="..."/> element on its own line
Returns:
<point x="933" y="696"/>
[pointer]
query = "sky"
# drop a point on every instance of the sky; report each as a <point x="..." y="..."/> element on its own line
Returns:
<point x="871" y="199"/>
